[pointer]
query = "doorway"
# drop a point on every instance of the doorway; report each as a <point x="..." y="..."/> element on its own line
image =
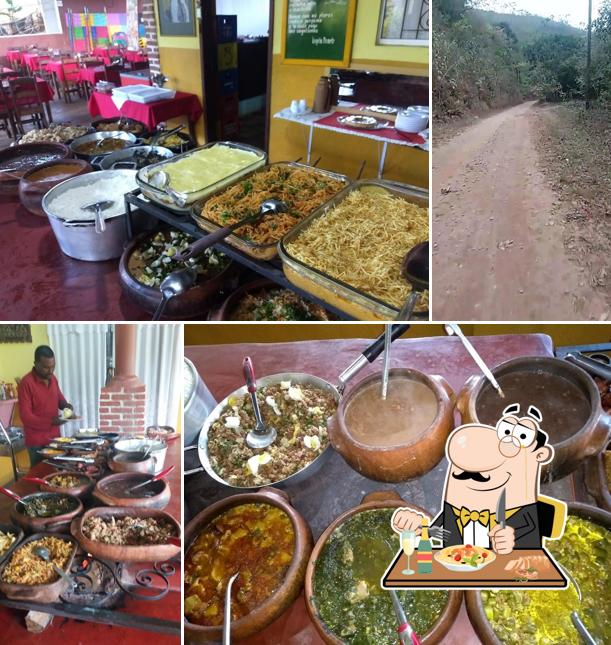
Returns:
<point x="236" y="46"/>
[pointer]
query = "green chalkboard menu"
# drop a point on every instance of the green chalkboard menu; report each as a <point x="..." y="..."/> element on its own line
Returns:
<point x="318" y="32"/>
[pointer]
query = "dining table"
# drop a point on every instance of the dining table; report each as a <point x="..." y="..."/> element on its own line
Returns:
<point x="14" y="56"/>
<point x="320" y="499"/>
<point x="34" y="62"/>
<point x="150" y="604"/>
<point x="45" y="93"/>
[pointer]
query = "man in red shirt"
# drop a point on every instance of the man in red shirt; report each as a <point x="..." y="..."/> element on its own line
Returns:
<point x="40" y="399"/>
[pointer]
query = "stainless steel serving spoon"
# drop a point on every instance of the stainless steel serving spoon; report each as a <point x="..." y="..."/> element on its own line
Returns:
<point x="227" y="615"/>
<point x="577" y="622"/>
<point x="415" y="270"/>
<point x="44" y="554"/>
<point x="262" y="436"/>
<point x="97" y="208"/>
<point x="173" y="285"/>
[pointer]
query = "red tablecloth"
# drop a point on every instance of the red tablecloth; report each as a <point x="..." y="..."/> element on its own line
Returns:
<point x="135" y="57"/>
<point x="45" y="92"/>
<point x="33" y="61"/>
<point x="14" y="56"/>
<point x="93" y="74"/>
<point x="128" y="79"/>
<point x="183" y="104"/>
<point x="387" y="133"/>
<point x="55" y="67"/>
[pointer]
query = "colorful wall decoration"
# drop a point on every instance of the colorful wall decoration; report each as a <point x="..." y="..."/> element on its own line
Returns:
<point x="89" y="30"/>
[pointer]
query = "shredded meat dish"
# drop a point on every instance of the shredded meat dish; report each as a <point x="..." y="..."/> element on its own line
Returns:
<point x="128" y="531"/>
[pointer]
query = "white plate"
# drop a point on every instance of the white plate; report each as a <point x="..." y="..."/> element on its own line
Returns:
<point x="464" y="568"/>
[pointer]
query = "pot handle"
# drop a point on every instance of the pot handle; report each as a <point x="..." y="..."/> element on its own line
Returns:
<point x="382" y="496"/>
<point x="270" y="491"/>
<point x="446" y="386"/>
<point x="97" y="160"/>
<point x="600" y="437"/>
<point x="464" y="396"/>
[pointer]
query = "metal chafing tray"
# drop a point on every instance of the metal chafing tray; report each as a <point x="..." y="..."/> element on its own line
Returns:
<point x="254" y="250"/>
<point x="155" y="194"/>
<point x="343" y="296"/>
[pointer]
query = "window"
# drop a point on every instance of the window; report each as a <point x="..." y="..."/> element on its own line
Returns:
<point x="404" y="22"/>
<point x="29" y="17"/>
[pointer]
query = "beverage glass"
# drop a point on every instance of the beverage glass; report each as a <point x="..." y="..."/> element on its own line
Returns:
<point x="408" y="544"/>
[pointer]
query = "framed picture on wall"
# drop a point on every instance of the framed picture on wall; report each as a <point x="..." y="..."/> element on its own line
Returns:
<point x="15" y="334"/>
<point x="176" y="17"/>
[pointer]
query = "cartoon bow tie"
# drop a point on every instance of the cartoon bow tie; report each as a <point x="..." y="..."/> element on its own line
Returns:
<point x="466" y="516"/>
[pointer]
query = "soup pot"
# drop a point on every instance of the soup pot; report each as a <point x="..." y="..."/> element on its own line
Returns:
<point x="400" y="462"/>
<point x="371" y="501"/>
<point x="475" y="607"/>
<point x="159" y="500"/>
<point x="368" y="355"/>
<point x="198" y="401"/>
<point x="569" y="454"/>
<point x="156" y="449"/>
<point x="130" y="140"/>
<point x="55" y="524"/>
<point x="290" y="588"/>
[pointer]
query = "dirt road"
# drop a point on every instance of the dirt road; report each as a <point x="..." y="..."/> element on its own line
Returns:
<point x="498" y="251"/>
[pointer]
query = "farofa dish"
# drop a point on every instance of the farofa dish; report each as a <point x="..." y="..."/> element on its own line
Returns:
<point x="301" y="189"/>
<point x="128" y="531"/>
<point x="26" y="568"/>
<point x="256" y="540"/>
<point x="362" y="241"/>
<point x="7" y="539"/>
<point x="65" y="481"/>
<point x="299" y="415"/>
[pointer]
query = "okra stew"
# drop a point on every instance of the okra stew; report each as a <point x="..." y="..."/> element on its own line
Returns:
<point x="346" y="584"/>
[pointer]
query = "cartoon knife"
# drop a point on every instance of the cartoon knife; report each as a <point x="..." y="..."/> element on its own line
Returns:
<point x="500" y="510"/>
<point x="407" y="634"/>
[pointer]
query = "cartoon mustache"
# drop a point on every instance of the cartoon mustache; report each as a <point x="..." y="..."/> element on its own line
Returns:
<point x="467" y="474"/>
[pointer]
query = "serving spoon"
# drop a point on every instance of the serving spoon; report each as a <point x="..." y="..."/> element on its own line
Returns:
<point x="227" y="614"/>
<point x="262" y="436"/>
<point x="269" y="206"/>
<point x="161" y="181"/>
<point x="150" y="480"/>
<point x="97" y="208"/>
<point x="415" y="269"/>
<point x="387" y="344"/>
<point x="174" y="285"/>
<point x="44" y="554"/>
<point x="577" y="622"/>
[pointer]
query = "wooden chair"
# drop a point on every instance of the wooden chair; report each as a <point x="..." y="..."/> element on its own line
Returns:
<point x="71" y="82"/>
<point x="25" y="102"/>
<point x="113" y="74"/>
<point x="7" y="121"/>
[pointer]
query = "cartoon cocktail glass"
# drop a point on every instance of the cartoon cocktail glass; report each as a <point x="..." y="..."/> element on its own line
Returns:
<point x="408" y="544"/>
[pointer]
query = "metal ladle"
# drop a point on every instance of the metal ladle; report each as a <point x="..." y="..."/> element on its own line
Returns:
<point x="227" y="614"/>
<point x="269" y="206"/>
<point x="97" y="208"/>
<point x="387" y="344"/>
<point x="44" y="554"/>
<point x="415" y="270"/>
<point x="577" y="622"/>
<point x="162" y="182"/>
<point x="454" y="330"/>
<point x="173" y="285"/>
<point x="262" y="436"/>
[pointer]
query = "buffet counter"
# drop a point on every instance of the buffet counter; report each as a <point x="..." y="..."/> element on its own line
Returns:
<point x="336" y="487"/>
<point x="133" y="616"/>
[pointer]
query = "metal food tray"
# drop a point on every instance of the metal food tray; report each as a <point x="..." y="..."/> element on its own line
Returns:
<point x="336" y="293"/>
<point x="254" y="250"/>
<point x="162" y="198"/>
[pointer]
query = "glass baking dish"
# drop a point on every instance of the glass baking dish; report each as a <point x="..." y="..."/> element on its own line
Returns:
<point x="188" y="198"/>
<point x="253" y="249"/>
<point x="336" y="293"/>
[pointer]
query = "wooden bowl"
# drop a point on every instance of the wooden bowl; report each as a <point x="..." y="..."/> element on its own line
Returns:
<point x="124" y="553"/>
<point x="38" y="593"/>
<point x="125" y="463"/>
<point x="570" y="453"/>
<point x="158" y="501"/>
<point x="78" y="491"/>
<point x="475" y="607"/>
<point x="57" y="524"/>
<point x="399" y="462"/>
<point x="9" y="184"/>
<point x="371" y="501"/>
<point x="10" y="528"/>
<point x="284" y="596"/>
<point x="193" y="303"/>
<point x="36" y="182"/>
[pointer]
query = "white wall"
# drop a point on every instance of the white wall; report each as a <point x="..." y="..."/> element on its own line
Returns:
<point x="253" y="15"/>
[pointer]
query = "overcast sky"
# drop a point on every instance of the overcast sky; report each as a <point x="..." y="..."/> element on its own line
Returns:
<point x="574" y="12"/>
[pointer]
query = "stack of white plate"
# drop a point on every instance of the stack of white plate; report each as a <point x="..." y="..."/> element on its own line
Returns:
<point x="413" y="119"/>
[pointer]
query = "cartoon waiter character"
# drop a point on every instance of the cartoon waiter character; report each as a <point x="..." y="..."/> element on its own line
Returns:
<point x="484" y="464"/>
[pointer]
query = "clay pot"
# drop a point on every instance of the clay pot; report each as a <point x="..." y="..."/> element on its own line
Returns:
<point x="38" y="593"/>
<point x="17" y="532"/>
<point x="400" y="462"/>
<point x="158" y="501"/>
<point x="596" y="479"/>
<point x="78" y="491"/>
<point x="125" y="553"/>
<point x="56" y="524"/>
<point x="570" y="453"/>
<point x="194" y="303"/>
<point x="371" y="501"/>
<point x="288" y="591"/>
<point x="475" y="607"/>
<point x="33" y="186"/>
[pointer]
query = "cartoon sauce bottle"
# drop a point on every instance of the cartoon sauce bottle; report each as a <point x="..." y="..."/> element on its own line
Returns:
<point x="425" y="549"/>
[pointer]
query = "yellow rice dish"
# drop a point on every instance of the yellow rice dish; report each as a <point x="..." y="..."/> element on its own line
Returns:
<point x="205" y="167"/>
